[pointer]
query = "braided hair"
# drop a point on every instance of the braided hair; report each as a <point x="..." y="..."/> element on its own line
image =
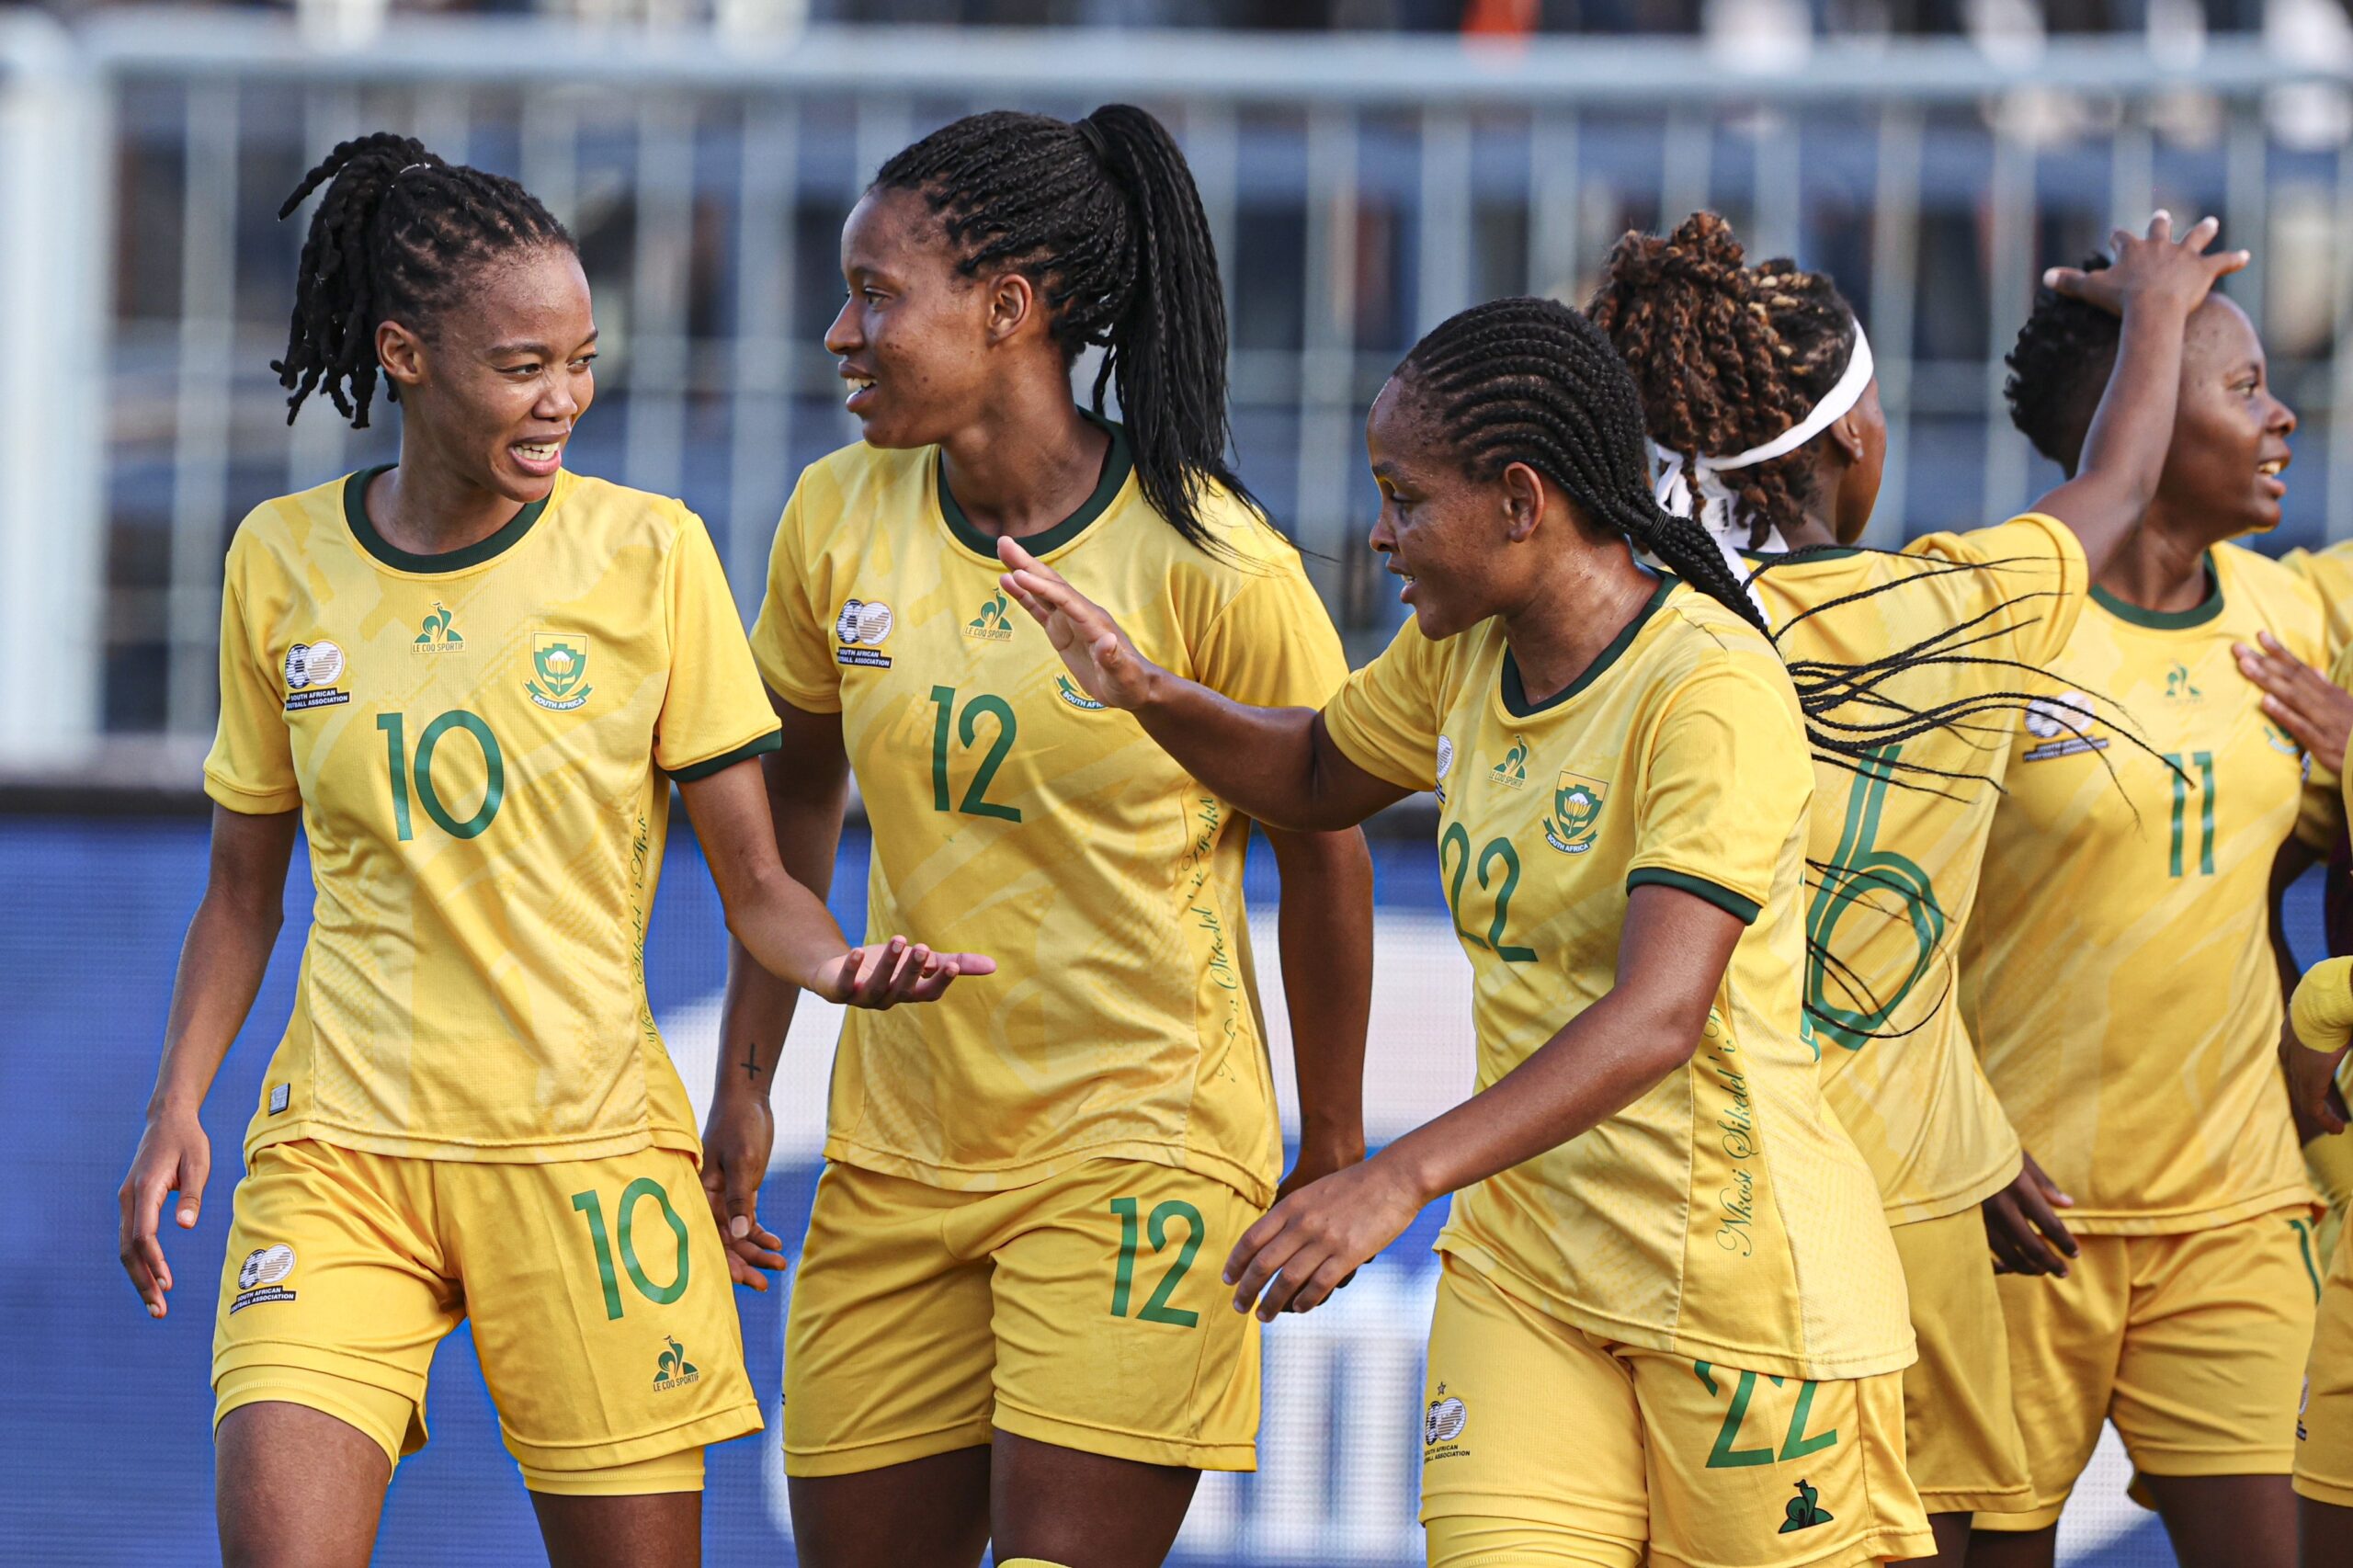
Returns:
<point x="1532" y="380"/>
<point x="395" y="238"/>
<point x="1102" y="215"/>
<point x="2058" y="368"/>
<point x="1726" y="356"/>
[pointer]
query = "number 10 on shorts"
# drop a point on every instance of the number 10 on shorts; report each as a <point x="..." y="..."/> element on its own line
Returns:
<point x="1156" y="1309"/>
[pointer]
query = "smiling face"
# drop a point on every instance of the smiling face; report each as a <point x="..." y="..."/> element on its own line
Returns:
<point x="1446" y="534"/>
<point x="494" y="386"/>
<point x="915" y="333"/>
<point x="2230" y="434"/>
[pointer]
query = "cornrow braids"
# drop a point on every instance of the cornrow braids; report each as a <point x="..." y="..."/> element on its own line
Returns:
<point x="2058" y="370"/>
<point x="1102" y="215"/>
<point x="395" y="239"/>
<point x="1726" y="356"/>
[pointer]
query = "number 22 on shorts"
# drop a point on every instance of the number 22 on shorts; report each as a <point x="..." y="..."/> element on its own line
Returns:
<point x="1795" y="1444"/>
<point x="1156" y="1309"/>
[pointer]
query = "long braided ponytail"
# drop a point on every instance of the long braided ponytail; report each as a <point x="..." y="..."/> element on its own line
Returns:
<point x="395" y="239"/>
<point x="1102" y="215"/>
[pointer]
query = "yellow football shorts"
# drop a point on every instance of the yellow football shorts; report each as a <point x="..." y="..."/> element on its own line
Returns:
<point x="1962" y="1439"/>
<point x="2324" y="1425"/>
<point x="2193" y="1343"/>
<point x="2329" y="1162"/>
<point x="1543" y="1443"/>
<point x="598" y="1291"/>
<point x="1084" y="1310"/>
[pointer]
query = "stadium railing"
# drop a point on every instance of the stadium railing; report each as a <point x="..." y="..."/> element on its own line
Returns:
<point x="1361" y="188"/>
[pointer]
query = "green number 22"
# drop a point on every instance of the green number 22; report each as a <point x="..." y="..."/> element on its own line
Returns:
<point x="1456" y="839"/>
<point x="1794" y="1445"/>
<point x="975" y="802"/>
<point x="1157" y="1309"/>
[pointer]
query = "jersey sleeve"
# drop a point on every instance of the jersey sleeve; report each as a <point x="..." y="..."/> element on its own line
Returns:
<point x="1727" y="786"/>
<point x="2035" y="579"/>
<point x="1385" y="717"/>
<point x="2329" y="572"/>
<point x="251" y="766"/>
<point x="1273" y="645"/>
<point x="788" y="640"/>
<point x="714" y="713"/>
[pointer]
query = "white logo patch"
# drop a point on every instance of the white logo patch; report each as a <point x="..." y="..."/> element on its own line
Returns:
<point x="259" y="1275"/>
<point x="311" y="670"/>
<point x="860" y="628"/>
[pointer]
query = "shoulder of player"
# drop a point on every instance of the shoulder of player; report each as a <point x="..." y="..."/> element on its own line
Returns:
<point x="285" y="528"/>
<point x="1692" y="641"/>
<point x="2272" y="593"/>
<point x="879" y="479"/>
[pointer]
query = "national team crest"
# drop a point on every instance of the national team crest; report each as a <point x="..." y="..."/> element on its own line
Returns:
<point x="560" y="670"/>
<point x="1575" y="815"/>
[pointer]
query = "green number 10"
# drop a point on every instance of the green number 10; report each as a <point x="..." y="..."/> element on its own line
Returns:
<point x="589" y="1203"/>
<point x="397" y="763"/>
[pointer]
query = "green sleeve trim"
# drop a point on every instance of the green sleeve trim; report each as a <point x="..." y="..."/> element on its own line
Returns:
<point x="772" y="741"/>
<point x="1744" y="910"/>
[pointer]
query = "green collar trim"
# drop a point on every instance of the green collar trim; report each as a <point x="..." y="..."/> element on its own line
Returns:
<point x="2167" y="620"/>
<point x="1515" y="690"/>
<point x="1116" y="465"/>
<point x="354" y="513"/>
<point x="1801" y="557"/>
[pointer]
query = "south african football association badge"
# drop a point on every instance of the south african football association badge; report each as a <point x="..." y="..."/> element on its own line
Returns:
<point x="1442" y="1422"/>
<point x="558" y="670"/>
<point x="1570" y="825"/>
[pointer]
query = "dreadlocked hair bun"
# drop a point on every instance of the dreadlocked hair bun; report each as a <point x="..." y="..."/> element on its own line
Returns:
<point x="1532" y="380"/>
<point x="1727" y="356"/>
<point x="2058" y="370"/>
<point x="395" y="238"/>
<point x="1102" y="216"/>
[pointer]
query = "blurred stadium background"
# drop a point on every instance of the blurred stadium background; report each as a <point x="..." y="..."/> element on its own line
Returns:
<point x="1370" y="166"/>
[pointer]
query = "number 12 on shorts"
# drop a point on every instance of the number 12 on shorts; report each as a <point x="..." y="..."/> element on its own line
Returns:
<point x="1156" y="1309"/>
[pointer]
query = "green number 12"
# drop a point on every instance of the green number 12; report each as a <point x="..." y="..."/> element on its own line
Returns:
<point x="1157" y="1309"/>
<point x="975" y="802"/>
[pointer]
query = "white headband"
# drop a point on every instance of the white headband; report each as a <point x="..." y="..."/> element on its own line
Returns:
<point x="1717" y="509"/>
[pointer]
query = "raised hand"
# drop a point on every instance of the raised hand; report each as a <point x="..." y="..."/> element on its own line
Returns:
<point x="1101" y="659"/>
<point x="883" y="974"/>
<point x="2154" y="270"/>
<point x="173" y="1155"/>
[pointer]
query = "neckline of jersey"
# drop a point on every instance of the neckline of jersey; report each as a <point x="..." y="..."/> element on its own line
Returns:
<point x="1514" y="689"/>
<point x="355" y="515"/>
<point x="2167" y="620"/>
<point x="1803" y="557"/>
<point x="1118" y="464"/>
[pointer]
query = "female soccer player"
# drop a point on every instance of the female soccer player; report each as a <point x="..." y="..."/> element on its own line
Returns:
<point x="470" y="678"/>
<point x="1004" y="1323"/>
<point x="2124" y="994"/>
<point x="1670" y="1320"/>
<point x="2322" y="1015"/>
<point x="1758" y="386"/>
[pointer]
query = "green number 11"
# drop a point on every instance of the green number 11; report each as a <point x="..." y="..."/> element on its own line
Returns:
<point x="2205" y="764"/>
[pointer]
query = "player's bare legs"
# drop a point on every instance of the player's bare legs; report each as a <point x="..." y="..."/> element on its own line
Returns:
<point x="1951" y="1532"/>
<point x="655" y="1529"/>
<point x="932" y="1511"/>
<point x="2328" y="1532"/>
<point x="1086" y="1510"/>
<point x="2014" y="1549"/>
<point x="2227" y="1521"/>
<point x="297" y="1487"/>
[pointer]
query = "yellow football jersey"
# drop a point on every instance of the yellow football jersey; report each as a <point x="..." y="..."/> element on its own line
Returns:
<point x="1896" y="843"/>
<point x="1725" y="1215"/>
<point x="479" y="743"/>
<point x="2330" y="571"/>
<point x="2118" y="973"/>
<point x="1015" y="816"/>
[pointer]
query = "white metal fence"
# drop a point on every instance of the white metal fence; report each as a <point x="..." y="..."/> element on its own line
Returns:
<point x="1361" y="188"/>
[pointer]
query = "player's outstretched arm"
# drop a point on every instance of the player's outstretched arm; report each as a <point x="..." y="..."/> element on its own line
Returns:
<point x="2154" y="285"/>
<point x="1277" y="764"/>
<point x="808" y="791"/>
<point x="1671" y="959"/>
<point x="221" y="964"/>
<point x="788" y="928"/>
